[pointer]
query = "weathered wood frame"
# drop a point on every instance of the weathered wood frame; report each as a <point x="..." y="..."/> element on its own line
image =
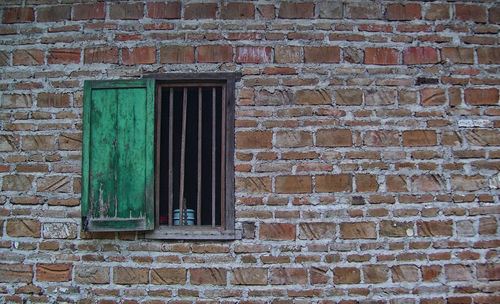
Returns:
<point x="227" y="230"/>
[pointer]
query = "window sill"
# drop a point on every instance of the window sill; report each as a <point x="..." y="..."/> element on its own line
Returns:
<point x="193" y="233"/>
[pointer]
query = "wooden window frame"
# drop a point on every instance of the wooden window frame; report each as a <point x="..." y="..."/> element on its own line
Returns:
<point x="227" y="230"/>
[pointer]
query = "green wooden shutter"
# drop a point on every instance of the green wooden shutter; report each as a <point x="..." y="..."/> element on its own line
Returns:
<point x="118" y="155"/>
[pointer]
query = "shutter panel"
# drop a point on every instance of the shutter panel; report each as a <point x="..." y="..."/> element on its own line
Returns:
<point x="118" y="155"/>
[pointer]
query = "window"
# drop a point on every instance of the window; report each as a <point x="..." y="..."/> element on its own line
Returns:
<point x="158" y="156"/>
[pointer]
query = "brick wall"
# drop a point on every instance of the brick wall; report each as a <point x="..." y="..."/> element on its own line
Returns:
<point x="367" y="151"/>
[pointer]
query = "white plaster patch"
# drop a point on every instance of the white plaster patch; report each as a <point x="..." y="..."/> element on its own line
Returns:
<point x="475" y="123"/>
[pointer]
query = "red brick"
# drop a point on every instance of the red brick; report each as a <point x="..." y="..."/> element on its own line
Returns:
<point x="53" y="100"/>
<point x="488" y="225"/>
<point x="215" y="53"/>
<point x="253" y="139"/>
<point x="455" y="272"/>
<point x="89" y="11"/>
<point x="249" y="276"/>
<point x="317" y="231"/>
<point x="293" y="139"/>
<point x="431" y="273"/>
<point x="236" y="10"/>
<point x="358" y="230"/>
<point x="211" y="276"/>
<point x="314" y="97"/>
<point x="16" y="273"/>
<point x="168" y="276"/>
<point x="53" y="272"/>
<point x="435" y="228"/>
<point x="291" y="10"/>
<point x="139" y="55"/>
<point x="177" y="54"/>
<point x="257" y="185"/>
<point x="395" y="229"/>
<point x="200" y="11"/>
<point x="403" y="12"/>
<point x="404" y="273"/>
<point x="288" y="276"/>
<point x="333" y="183"/>
<point x="427" y="183"/>
<point x="381" y="138"/>
<point x="100" y="55"/>
<point x="293" y="184"/>
<point x="476" y="13"/>
<point x="126" y="11"/>
<point x="253" y="54"/>
<point x="432" y="97"/>
<point x="130" y="275"/>
<point x="458" y="55"/>
<point x="53" y="13"/>
<point x="419" y="138"/>
<point x="346" y="275"/>
<point x="64" y="56"/>
<point x="162" y="10"/>
<point x="488" y="55"/>
<point x="18" y="15"/>
<point x="359" y="10"/>
<point x="381" y="56"/>
<point x="277" y="232"/>
<point x="29" y="57"/>
<point x="481" y="97"/>
<point x="420" y="55"/>
<point x="322" y="54"/>
<point x="494" y="13"/>
<point x="467" y="183"/>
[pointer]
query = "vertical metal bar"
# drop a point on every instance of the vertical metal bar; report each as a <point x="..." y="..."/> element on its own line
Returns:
<point x="183" y="151"/>
<point x="158" y="154"/>
<point x="200" y="134"/>
<point x="214" y="117"/>
<point x="170" y="157"/>
<point x="223" y="160"/>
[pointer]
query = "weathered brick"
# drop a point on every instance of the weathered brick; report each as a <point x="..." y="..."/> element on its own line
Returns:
<point x="9" y="143"/>
<point x="52" y="100"/>
<point x="483" y="137"/>
<point x="57" y="183"/>
<point x="16" y="273"/>
<point x="4" y="58"/>
<point x="57" y="272"/>
<point x="89" y="11"/>
<point x="481" y="97"/>
<point x="488" y="225"/>
<point x="420" y="55"/>
<point x="404" y="12"/>
<point x="488" y="271"/>
<point x="253" y="184"/>
<point x="359" y="10"/>
<point x="100" y="55"/>
<point x="168" y="276"/>
<point x="427" y="183"/>
<point x="126" y="11"/>
<point x="276" y="98"/>
<point x="64" y="56"/>
<point x="200" y="11"/>
<point x="130" y="275"/>
<point x="476" y="13"/>
<point x="317" y="231"/>
<point x="249" y="276"/>
<point x="13" y="101"/>
<point x="432" y="97"/>
<point x="395" y="228"/>
<point x="293" y="139"/>
<point x="315" y="97"/>
<point x="212" y="276"/>
<point x="293" y="184"/>
<point x="28" y="57"/>
<point x="277" y="231"/>
<point x="291" y="10"/>
<point x="346" y="275"/>
<point x="321" y="54"/>
<point x="237" y="10"/>
<point x="358" y="230"/>
<point x="431" y="273"/>
<point x="17" y="182"/>
<point x="381" y="138"/>
<point x="334" y="138"/>
<point x="419" y="138"/>
<point x="488" y="55"/>
<point x="381" y="56"/>
<point x="162" y="10"/>
<point x="366" y="183"/>
<point x="70" y="141"/>
<point x="90" y="274"/>
<point x="405" y="273"/>
<point x="288" y="276"/>
<point x="438" y="12"/>
<point x="329" y="9"/>
<point x="458" y="54"/>
<point x="373" y="274"/>
<point x="334" y="183"/>
<point x="435" y="228"/>
<point x="379" y="97"/>
<point x="139" y="55"/>
<point x="39" y="143"/>
<point x="287" y="54"/>
<point x="253" y="139"/>
<point x="455" y="272"/>
<point x="253" y="54"/>
<point x="53" y="13"/>
<point x="494" y="13"/>
<point x="396" y="183"/>
<point x="215" y="53"/>
<point x="348" y="97"/>
<point x="18" y="15"/>
<point x="177" y="54"/>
